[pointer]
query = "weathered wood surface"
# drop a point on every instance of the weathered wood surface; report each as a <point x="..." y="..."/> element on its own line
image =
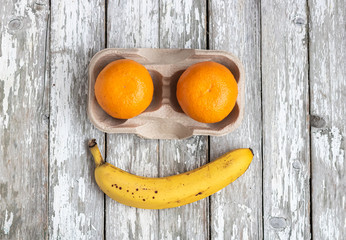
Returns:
<point x="328" y="120"/>
<point x="76" y="204"/>
<point x="178" y="22"/>
<point x="127" y="29"/>
<point x="236" y="211"/>
<point x="47" y="188"/>
<point x="285" y="104"/>
<point x="23" y="120"/>
<point x="183" y="25"/>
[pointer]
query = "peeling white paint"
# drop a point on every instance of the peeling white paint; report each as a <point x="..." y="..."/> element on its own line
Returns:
<point x="65" y="214"/>
<point x="61" y="208"/>
<point x="177" y="155"/>
<point x="15" y="67"/>
<point x="328" y="147"/>
<point x="93" y="227"/>
<point x="80" y="232"/>
<point x="182" y="25"/>
<point x="179" y="221"/>
<point x="327" y="91"/>
<point x="245" y="233"/>
<point x="245" y="208"/>
<point x="329" y="154"/>
<point x="197" y="17"/>
<point x="77" y="32"/>
<point x="285" y="127"/>
<point x="8" y="77"/>
<point x="8" y="222"/>
<point x="336" y="148"/>
<point x="235" y="232"/>
<point x="327" y="223"/>
<point x="191" y="147"/>
<point x="219" y="223"/>
<point x="23" y="137"/>
<point x="81" y="189"/>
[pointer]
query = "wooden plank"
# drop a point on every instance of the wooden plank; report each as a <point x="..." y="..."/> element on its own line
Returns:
<point x="236" y="211"/>
<point x="183" y="25"/>
<point x="76" y="208"/>
<point x="132" y="24"/>
<point x="23" y="120"/>
<point x="131" y="151"/>
<point x="286" y="158"/>
<point x="328" y="109"/>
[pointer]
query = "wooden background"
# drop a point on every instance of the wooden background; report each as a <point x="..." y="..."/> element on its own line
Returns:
<point x="294" y="53"/>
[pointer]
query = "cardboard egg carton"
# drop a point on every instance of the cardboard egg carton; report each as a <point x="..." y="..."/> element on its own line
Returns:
<point x="164" y="118"/>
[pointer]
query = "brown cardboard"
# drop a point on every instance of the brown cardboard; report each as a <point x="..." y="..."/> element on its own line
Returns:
<point x="164" y="119"/>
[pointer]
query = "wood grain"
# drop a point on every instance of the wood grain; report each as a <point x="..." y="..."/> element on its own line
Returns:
<point x="23" y="120"/>
<point x="76" y="209"/>
<point x="176" y="30"/>
<point x="236" y="211"/>
<point x="285" y="100"/>
<point x="132" y="24"/>
<point x="183" y="25"/>
<point x="328" y="109"/>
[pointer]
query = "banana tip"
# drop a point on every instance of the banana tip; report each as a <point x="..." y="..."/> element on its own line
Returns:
<point x="92" y="143"/>
<point x="252" y="152"/>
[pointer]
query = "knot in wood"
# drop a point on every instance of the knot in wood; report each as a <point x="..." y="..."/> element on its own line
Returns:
<point x="15" y="24"/>
<point x="317" y="121"/>
<point x="278" y="223"/>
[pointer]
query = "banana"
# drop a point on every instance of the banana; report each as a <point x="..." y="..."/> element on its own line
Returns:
<point x="172" y="191"/>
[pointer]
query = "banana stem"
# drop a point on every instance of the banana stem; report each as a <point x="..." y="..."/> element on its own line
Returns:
<point x="95" y="151"/>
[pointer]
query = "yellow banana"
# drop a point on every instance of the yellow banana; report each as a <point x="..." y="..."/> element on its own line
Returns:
<point x="172" y="191"/>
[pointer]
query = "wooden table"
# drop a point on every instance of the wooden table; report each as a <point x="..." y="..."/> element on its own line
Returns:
<point x="294" y="53"/>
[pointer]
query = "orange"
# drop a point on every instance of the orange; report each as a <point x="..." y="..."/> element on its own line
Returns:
<point x="207" y="92"/>
<point x="124" y="89"/>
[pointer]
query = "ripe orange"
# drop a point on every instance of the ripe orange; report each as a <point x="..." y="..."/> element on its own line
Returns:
<point x="124" y="89"/>
<point x="207" y="92"/>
